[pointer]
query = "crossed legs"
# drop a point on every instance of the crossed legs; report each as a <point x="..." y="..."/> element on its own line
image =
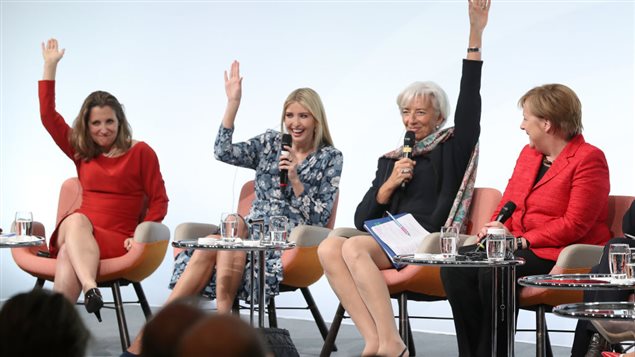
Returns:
<point x="78" y="257"/>
<point x="352" y="267"/>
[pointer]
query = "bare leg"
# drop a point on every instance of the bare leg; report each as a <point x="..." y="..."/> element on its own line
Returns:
<point x="66" y="281"/>
<point x="364" y="259"/>
<point x="75" y="235"/>
<point x="341" y="280"/>
<point x="229" y="273"/>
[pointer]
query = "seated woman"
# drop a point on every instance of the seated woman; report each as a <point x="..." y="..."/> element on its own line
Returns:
<point x="560" y="186"/>
<point x="314" y="167"/>
<point x="587" y="342"/>
<point x="118" y="175"/>
<point x="438" y="178"/>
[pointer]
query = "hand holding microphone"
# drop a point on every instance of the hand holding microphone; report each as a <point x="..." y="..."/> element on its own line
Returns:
<point x="408" y="144"/>
<point x="503" y="215"/>
<point x="284" y="155"/>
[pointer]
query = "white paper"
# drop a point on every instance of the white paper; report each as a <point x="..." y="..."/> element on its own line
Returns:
<point x="400" y="242"/>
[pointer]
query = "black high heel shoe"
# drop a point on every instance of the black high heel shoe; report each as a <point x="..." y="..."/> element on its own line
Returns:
<point x="93" y="302"/>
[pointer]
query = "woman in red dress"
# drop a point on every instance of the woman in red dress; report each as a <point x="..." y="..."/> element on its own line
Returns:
<point x="118" y="176"/>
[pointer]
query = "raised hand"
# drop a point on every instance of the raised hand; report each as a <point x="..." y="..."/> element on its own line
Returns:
<point x="479" y="11"/>
<point x="51" y="51"/>
<point x="233" y="83"/>
<point x="52" y="55"/>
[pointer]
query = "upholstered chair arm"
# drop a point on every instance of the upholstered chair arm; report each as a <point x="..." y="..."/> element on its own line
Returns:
<point x="431" y="243"/>
<point x="308" y="236"/>
<point x="347" y="232"/>
<point x="150" y="232"/>
<point x="194" y="230"/>
<point x="578" y="256"/>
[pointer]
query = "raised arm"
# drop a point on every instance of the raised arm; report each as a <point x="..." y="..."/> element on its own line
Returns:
<point x="479" y="11"/>
<point x="52" y="55"/>
<point x="233" y="89"/>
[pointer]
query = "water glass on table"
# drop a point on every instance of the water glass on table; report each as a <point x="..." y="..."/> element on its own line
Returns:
<point x="495" y="245"/>
<point x="448" y="239"/>
<point x="23" y="223"/>
<point x="278" y="229"/>
<point x="618" y="258"/>
<point x="228" y="226"/>
<point x="630" y="265"/>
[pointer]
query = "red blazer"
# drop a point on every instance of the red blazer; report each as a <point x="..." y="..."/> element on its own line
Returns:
<point x="568" y="205"/>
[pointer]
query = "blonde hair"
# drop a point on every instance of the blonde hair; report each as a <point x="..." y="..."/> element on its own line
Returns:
<point x="557" y="103"/>
<point x="85" y="148"/>
<point x="309" y="99"/>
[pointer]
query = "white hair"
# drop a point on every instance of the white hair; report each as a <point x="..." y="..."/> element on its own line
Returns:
<point x="429" y="90"/>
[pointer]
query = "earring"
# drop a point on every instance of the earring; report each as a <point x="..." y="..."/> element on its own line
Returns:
<point x="436" y="127"/>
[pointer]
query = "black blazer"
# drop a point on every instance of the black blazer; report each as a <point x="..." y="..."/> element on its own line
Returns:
<point x="437" y="174"/>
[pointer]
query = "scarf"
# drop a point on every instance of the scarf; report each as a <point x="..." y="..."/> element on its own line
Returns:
<point x="461" y="206"/>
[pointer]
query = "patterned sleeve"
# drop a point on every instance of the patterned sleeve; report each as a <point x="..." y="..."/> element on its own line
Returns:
<point x="245" y="154"/>
<point x="316" y="202"/>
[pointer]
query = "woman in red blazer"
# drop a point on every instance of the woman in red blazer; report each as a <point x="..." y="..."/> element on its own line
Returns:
<point x="560" y="186"/>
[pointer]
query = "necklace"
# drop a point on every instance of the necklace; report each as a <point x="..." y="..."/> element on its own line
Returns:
<point x="546" y="162"/>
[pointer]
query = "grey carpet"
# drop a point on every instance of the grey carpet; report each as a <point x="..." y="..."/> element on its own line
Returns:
<point x="304" y="333"/>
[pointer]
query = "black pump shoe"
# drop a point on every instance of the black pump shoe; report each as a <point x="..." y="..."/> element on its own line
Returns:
<point x="93" y="302"/>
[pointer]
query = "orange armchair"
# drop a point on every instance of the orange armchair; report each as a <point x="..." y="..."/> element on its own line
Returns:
<point x="300" y="265"/>
<point x="147" y="252"/>
<point x="574" y="259"/>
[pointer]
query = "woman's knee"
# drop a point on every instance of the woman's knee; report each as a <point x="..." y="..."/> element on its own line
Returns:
<point x="75" y="222"/>
<point x="356" y="247"/>
<point x="330" y="248"/>
<point x="201" y="256"/>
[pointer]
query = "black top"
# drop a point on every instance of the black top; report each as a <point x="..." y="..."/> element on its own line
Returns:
<point x="437" y="174"/>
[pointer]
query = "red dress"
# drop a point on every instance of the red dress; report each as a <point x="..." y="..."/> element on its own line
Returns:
<point x="113" y="189"/>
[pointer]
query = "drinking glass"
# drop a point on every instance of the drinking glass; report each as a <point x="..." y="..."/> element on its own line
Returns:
<point x="618" y="257"/>
<point x="449" y="237"/>
<point x="495" y="244"/>
<point x="23" y="223"/>
<point x="278" y="229"/>
<point x="228" y="226"/>
<point x="630" y="265"/>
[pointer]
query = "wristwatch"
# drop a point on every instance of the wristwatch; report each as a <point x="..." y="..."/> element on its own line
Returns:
<point x="519" y="243"/>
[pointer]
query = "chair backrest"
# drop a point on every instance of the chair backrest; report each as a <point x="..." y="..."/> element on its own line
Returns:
<point x="248" y="194"/>
<point x="70" y="198"/>
<point x="484" y="202"/>
<point x="618" y="205"/>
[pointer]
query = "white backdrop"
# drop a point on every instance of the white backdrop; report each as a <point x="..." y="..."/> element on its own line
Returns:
<point x="164" y="61"/>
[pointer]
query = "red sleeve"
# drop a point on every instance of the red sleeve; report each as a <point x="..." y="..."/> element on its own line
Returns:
<point x="153" y="185"/>
<point x="589" y="188"/>
<point x="52" y="120"/>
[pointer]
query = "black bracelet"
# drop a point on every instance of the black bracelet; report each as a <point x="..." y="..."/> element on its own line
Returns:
<point x="519" y="243"/>
<point x="473" y="49"/>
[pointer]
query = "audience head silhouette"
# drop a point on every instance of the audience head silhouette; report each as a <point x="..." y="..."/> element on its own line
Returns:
<point x="222" y="336"/>
<point x="41" y="323"/>
<point x="163" y="333"/>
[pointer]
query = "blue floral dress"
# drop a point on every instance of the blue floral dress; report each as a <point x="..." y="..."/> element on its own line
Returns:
<point x="319" y="172"/>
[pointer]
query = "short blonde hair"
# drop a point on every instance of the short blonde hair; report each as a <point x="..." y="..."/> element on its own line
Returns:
<point x="309" y="99"/>
<point x="557" y="103"/>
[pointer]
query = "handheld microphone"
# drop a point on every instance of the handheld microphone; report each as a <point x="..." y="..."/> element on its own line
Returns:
<point x="408" y="143"/>
<point x="502" y="216"/>
<point x="286" y="141"/>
